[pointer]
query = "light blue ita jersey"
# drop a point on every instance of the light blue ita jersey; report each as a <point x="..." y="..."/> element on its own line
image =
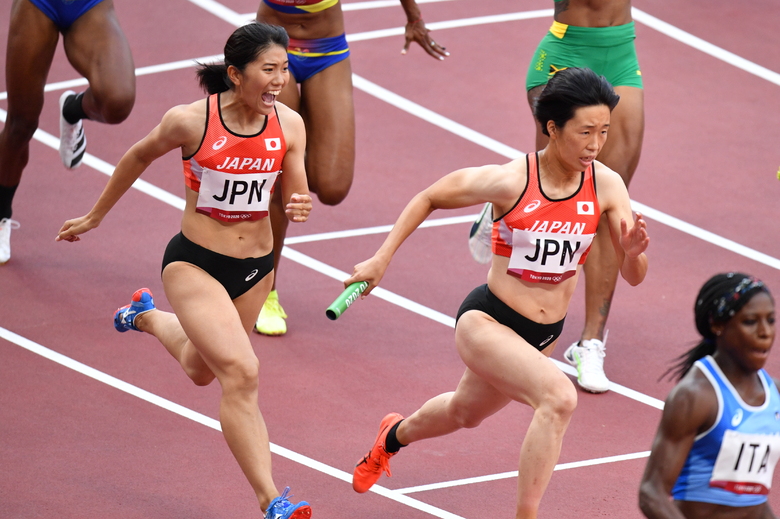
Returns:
<point x="732" y="463"/>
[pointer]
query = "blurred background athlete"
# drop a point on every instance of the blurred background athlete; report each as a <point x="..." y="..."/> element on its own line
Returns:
<point x="320" y="65"/>
<point x="96" y="47"/>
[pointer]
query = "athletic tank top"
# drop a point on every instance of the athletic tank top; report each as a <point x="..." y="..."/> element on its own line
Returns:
<point x="234" y="174"/>
<point x="300" y="6"/>
<point x="732" y="463"/>
<point x="546" y="239"/>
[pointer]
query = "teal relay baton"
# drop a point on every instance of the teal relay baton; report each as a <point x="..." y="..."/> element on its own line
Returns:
<point x="347" y="297"/>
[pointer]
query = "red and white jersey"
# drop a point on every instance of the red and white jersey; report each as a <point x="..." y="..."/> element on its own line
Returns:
<point x="233" y="174"/>
<point x="546" y="239"/>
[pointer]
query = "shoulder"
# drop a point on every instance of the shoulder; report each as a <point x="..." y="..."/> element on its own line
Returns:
<point x="693" y="401"/>
<point x="186" y="117"/>
<point x="605" y="175"/>
<point x="288" y="116"/>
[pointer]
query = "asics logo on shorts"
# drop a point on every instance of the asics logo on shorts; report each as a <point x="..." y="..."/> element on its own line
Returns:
<point x="219" y="143"/>
<point x="251" y="275"/>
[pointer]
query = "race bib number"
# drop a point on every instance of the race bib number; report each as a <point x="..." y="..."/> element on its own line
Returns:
<point x="746" y="462"/>
<point x="546" y="257"/>
<point x="231" y="197"/>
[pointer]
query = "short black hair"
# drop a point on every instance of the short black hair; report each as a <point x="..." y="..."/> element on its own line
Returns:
<point x="568" y="90"/>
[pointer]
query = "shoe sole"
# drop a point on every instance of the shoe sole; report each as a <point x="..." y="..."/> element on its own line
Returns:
<point x="303" y="512"/>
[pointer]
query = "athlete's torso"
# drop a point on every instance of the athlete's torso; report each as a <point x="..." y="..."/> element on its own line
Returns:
<point x="305" y="19"/>
<point x="546" y="239"/>
<point x="732" y="463"/>
<point x="233" y="175"/>
<point x="593" y="13"/>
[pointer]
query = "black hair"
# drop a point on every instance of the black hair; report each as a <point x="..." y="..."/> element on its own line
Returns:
<point x="242" y="48"/>
<point x="569" y="89"/>
<point x="719" y="299"/>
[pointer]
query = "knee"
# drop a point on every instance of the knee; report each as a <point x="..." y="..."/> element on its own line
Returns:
<point x="333" y="194"/>
<point x="242" y="376"/>
<point x="201" y="377"/>
<point x="19" y="130"/>
<point x="331" y="189"/>
<point x="560" y="401"/>
<point x="115" y="107"/>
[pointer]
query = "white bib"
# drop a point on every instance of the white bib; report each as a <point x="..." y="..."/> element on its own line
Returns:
<point x="235" y="194"/>
<point x="746" y="462"/>
<point x="546" y="257"/>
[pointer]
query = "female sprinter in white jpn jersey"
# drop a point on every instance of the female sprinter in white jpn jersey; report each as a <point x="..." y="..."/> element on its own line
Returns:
<point x="218" y="271"/>
<point x="548" y="208"/>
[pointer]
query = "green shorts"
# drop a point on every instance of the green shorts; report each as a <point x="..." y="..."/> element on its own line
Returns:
<point x="608" y="51"/>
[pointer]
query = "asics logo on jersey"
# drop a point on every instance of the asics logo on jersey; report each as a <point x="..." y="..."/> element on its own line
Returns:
<point x="532" y="206"/>
<point x="585" y="208"/>
<point x="273" y="144"/>
<point x="219" y="143"/>
<point x="737" y="418"/>
<point x="251" y="275"/>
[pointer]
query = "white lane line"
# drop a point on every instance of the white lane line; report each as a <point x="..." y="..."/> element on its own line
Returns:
<point x="207" y="421"/>
<point x="514" y="473"/>
<point x="705" y="46"/>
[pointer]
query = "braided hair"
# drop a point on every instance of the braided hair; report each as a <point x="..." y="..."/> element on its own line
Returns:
<point x="719" y="299"/>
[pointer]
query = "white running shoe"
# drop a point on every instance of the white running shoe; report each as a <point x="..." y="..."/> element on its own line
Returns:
<point x="588" y="357"/>
<point x="6" y="224"/>
<point x="481" y="235"/>
<point x="73" y="142"/>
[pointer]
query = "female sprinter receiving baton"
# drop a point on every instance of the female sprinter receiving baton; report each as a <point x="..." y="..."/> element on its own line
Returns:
<point x="507" y="328"/>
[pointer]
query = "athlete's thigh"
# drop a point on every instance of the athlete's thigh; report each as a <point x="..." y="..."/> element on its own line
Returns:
<point x="533" y="95"/>
<point x="98" y="50"/>
<point x="249" y="304"/>
<point x="32" y="41"/>
<point x="207" y="315"/>
<point x="626" y="131"/>
<point x="329" y="113"/>
<point x="506" y="361"/>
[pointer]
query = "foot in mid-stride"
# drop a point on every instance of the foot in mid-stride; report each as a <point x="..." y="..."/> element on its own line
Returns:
<point x="271" y="320"/>
<point x="282" y="508"/>
<point x="370" y="468"/>
<point x="73" y="142"/>
<point x="588" y="357"/>
<point x="6" y="224"/>
<point x="142" y="302"/>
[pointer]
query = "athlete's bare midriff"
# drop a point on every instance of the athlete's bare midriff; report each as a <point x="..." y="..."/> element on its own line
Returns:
<point x="593" y="13"/>
<point x="307" y="26"/>
<point x="245" y="239"/>
<point x="542" y="303"/>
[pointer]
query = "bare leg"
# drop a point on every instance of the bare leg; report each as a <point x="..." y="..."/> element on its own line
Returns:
<point x="208" y="335"/>
<point x="503" y="367"/>
<point x="328" y="111"/>
<point x="98" y="50"/>
<point x="32" y="41"/>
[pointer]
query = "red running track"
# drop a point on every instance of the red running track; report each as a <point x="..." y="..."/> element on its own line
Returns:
<point x="79" y="437"/>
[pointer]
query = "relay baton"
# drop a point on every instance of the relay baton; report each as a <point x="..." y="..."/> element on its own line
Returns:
<point x="347" y="297"/>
